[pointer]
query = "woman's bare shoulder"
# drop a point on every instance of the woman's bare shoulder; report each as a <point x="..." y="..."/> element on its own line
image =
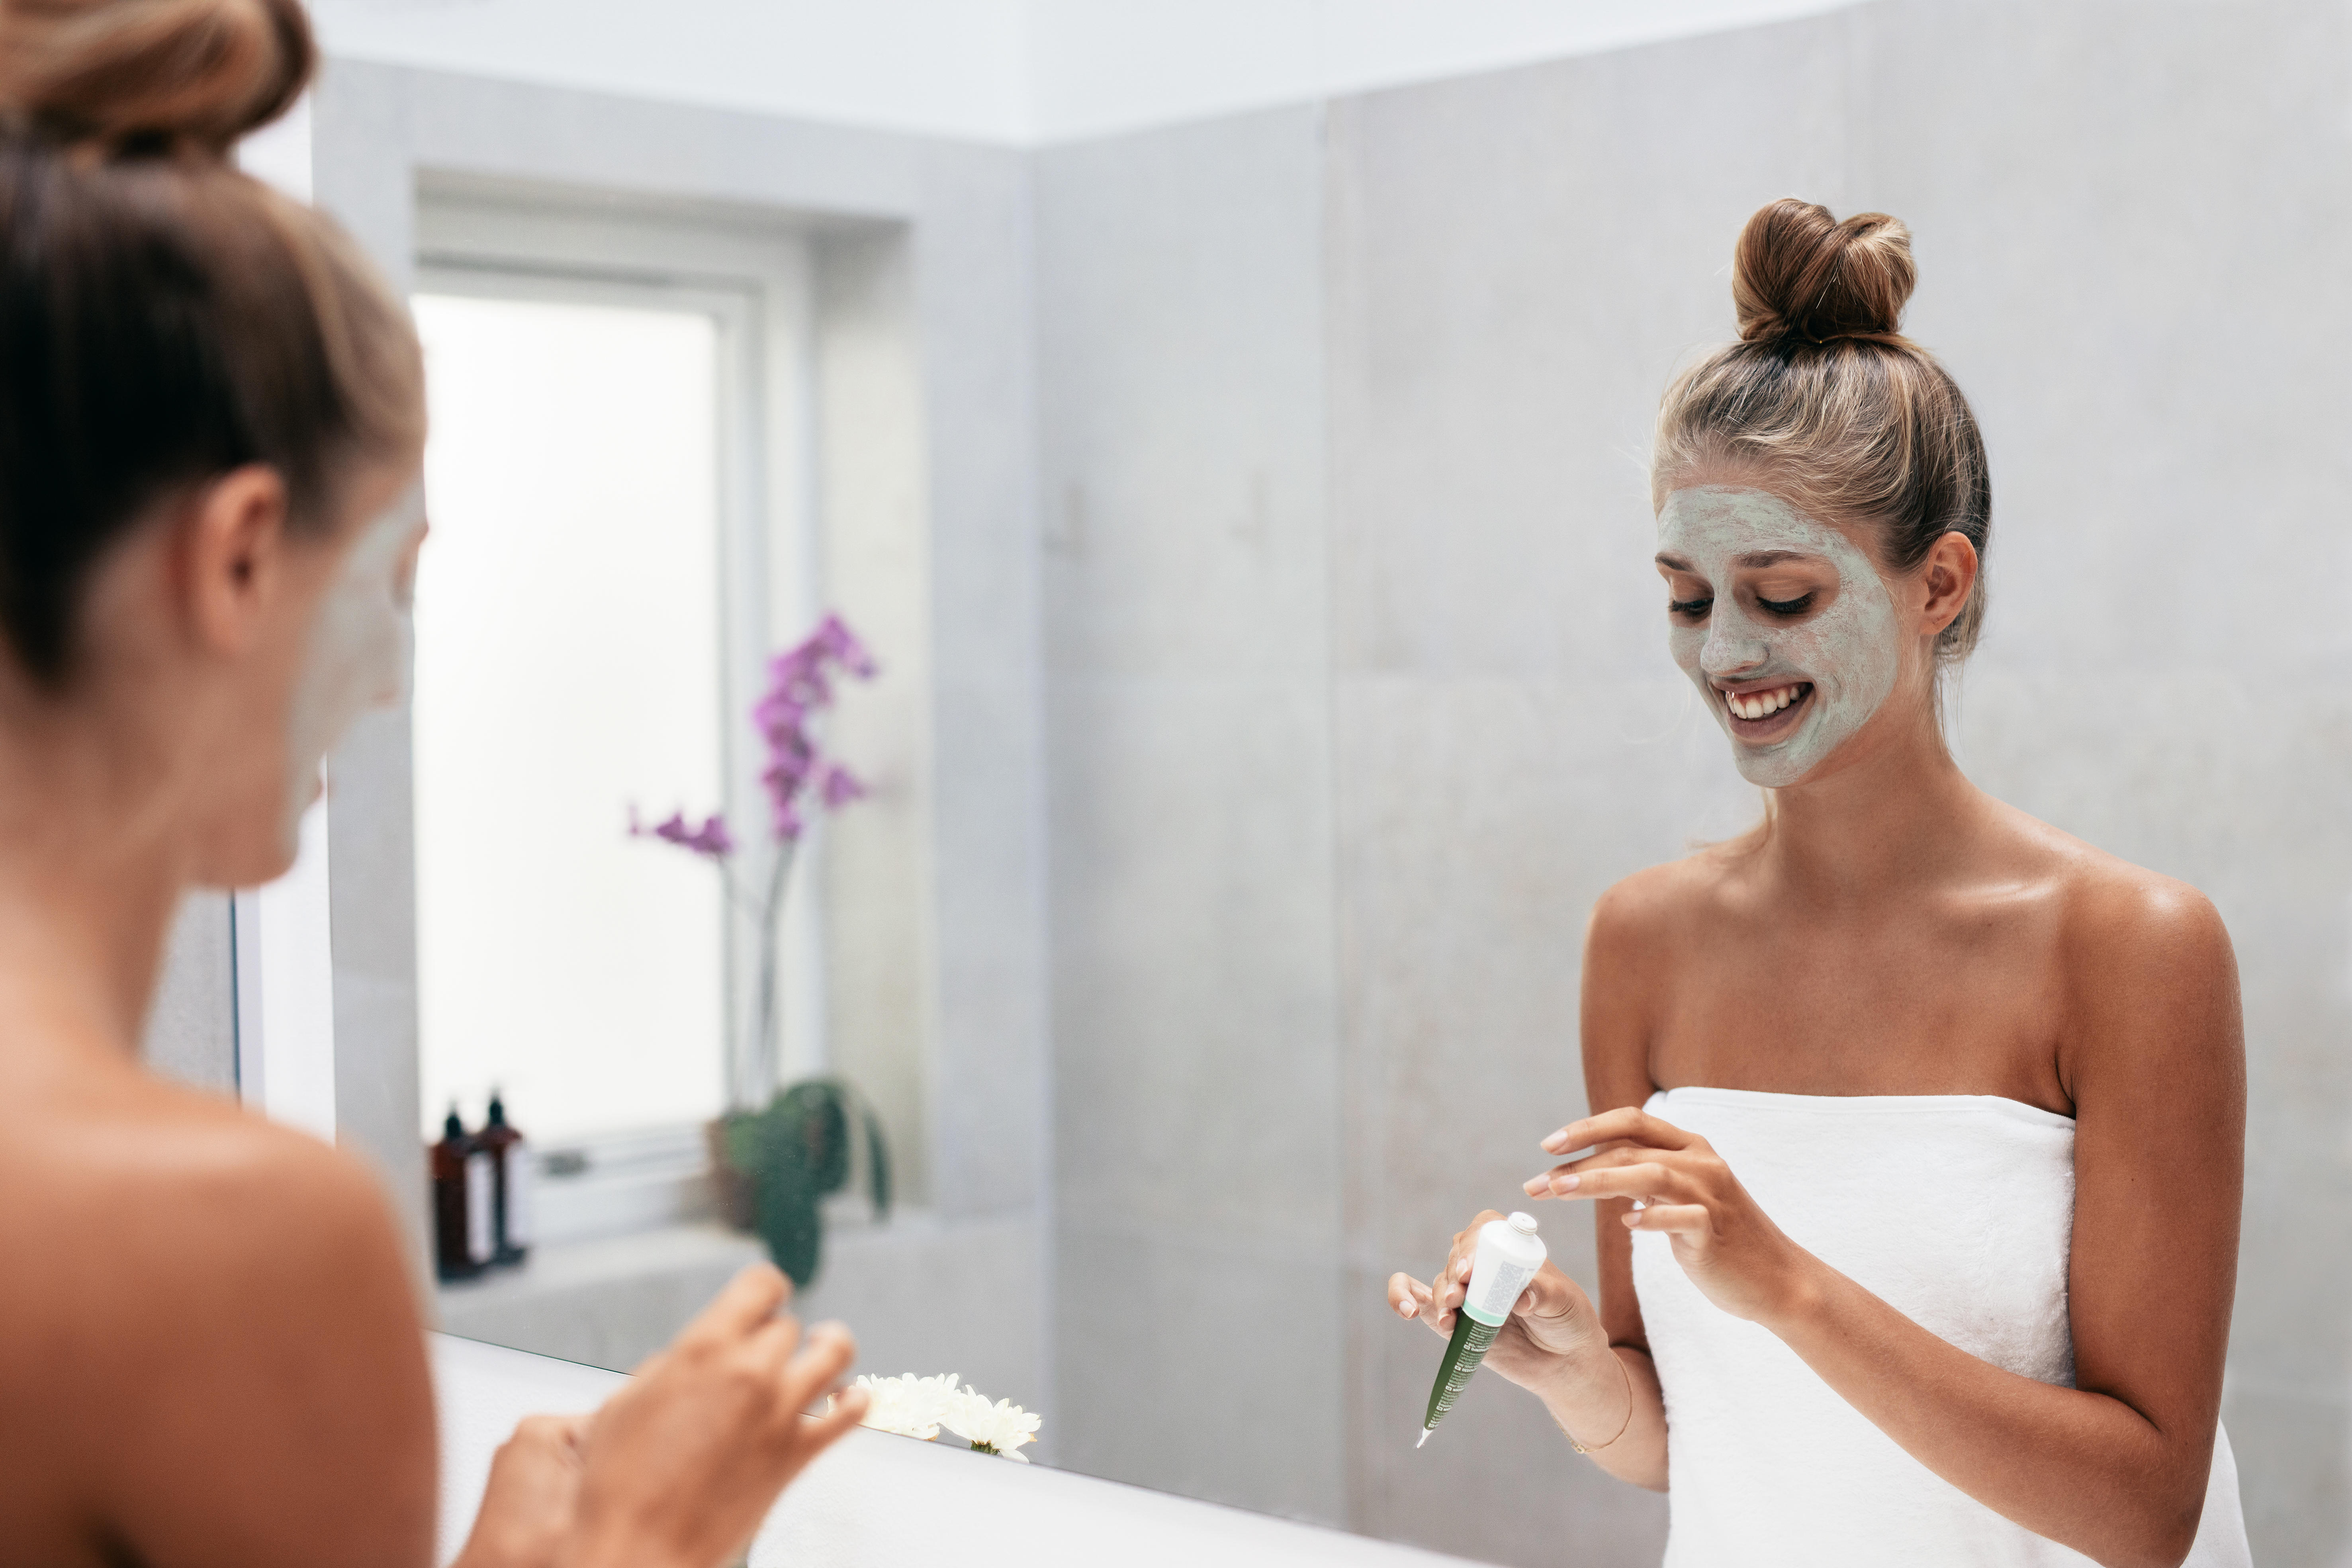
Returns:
<point x="1640" y="930"/>
<point x="1661" y="904"/>
<point x="241" y="1286"/>
<point x="161" y="1203"/>
<point x="2111" y="910"/>
<point x="2146" y="968"/>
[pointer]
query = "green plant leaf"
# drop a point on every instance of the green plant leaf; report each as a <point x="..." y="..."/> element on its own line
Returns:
<point x="878" y="1162"/>
<point x="785" y="1207"/>
<point x="817" y="1119"/>
<point x="794" y="1152"/>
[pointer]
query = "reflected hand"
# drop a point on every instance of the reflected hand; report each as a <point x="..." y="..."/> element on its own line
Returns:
<point x="683" y="1463"/>
<point x="1724" y="1240"/>
<point x="1551" y="1324"/>
<point x="532" y="1499"/>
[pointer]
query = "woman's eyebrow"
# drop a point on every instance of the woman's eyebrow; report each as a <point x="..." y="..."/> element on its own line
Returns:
<point x="1673" y="562"/>
<point x="1772" y="557"/>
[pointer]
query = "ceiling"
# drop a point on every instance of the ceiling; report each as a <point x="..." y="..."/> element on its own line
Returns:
<point x="1013" y="71"/>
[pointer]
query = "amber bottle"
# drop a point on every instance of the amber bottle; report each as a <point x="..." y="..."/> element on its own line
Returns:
<point x="509" y="1154"/>
<point x="463" y="1192"/>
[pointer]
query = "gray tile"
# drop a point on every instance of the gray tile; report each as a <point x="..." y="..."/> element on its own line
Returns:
<point x="1195" y="1065"/>
<point x="2293" y="1454"/>
<point x="1206" y="1370"/>
<point x="191" y="1023"/>
<point x="1179" y="324"/>
<point x="1516" y="261"/>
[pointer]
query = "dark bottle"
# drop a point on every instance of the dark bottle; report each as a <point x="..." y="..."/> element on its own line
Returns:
<point x="509" y="1154"/>
<point x="462" y="1197"/>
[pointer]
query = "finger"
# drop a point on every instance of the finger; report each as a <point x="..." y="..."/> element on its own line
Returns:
<point x="544" y="1431"/>
<point x="1630" y="1122"/>
<point x="1548" y="1294"/>
<point x="819" y="1431"/>
<point x="1422" y="1302"/>
<point x="1464" y="1258"/>
<point x="1452" y="1287"/>
<point x="773" y="1342"/>
<point x="1402" y="1300"/>
<point x="1685" y="1217"/>
<point x="750" y="1299"/>
<point x="1649" y="1181"/>
<point x="824" y="1356"/>
<point x="1566" y="1178"/>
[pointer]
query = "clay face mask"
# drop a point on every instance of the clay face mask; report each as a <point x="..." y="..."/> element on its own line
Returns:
<point x="358" y="657"/>
<point x="1833" y="666"/>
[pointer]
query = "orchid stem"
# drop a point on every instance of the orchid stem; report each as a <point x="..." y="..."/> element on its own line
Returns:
<point x="760" y="1068"/>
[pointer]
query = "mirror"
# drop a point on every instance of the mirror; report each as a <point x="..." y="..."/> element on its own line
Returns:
<point x="1208" y="538"/>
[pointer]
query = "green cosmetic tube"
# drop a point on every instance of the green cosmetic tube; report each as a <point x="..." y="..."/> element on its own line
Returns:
<point x="1509" y="1253"/>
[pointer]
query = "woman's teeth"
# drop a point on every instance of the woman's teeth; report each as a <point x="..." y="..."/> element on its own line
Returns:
<point x="1760" y="704"/>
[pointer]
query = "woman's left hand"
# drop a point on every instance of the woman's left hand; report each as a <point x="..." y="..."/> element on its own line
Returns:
<point x="533" y="1495"/>
<point x="1728" y="1245"/>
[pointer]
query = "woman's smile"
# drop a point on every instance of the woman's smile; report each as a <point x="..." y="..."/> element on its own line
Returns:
<point x="1762" y="711"/>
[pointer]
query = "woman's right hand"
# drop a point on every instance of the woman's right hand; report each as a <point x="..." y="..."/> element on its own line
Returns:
<point x="1551" y="1324"/>
<point x="679" y="1468"/>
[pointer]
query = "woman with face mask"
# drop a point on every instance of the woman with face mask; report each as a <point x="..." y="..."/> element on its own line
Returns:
<point x="1917" y="1136"/>
<point x="212" y="422"/>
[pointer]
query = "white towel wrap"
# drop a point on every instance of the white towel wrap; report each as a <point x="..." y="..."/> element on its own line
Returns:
<point x="1957" y="1210"/>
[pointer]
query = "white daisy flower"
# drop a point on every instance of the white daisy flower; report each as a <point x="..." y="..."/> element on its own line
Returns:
<point x="999" y="1428"/>
<point x="909" y="1406"/>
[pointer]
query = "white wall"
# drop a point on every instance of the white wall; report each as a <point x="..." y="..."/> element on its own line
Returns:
<point x="1018" y="72"/>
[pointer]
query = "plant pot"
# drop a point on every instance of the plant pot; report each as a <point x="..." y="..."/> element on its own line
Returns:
<point x="730" y="1187"/>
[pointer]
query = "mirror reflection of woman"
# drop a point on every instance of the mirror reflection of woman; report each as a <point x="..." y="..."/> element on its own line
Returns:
<point x="1916" y="1138"/>
<point x="212" y="423"/>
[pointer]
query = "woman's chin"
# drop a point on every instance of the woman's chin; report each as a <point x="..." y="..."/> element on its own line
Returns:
<point x="227" y="873"/>
<point x="248" y="853"/>
<point x="1777" y="765"/>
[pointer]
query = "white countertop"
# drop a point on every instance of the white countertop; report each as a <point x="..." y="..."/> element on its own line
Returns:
<point x="876" y="1498"/>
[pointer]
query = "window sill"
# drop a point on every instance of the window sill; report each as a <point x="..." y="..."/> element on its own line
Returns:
<point x="608" y="1302"/>
<point x="923" y="1293"/>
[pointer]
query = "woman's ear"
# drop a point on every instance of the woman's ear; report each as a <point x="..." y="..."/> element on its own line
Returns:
<point x="1949" y="573"/>
<point x="233" y="556"/>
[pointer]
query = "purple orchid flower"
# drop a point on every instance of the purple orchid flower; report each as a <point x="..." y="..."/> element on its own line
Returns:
<point x="798" y="775"/>
<point x="840" y="786"/>
<point x="800" y="684"/>
<point x="711" y="840"/>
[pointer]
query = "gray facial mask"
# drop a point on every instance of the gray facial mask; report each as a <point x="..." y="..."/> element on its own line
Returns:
<point x="359" y="653"/>
<point x="1849" y="652"/>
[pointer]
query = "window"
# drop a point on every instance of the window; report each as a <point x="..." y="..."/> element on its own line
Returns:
<point x="568" y="657"/>
<point x="615" y="477"/>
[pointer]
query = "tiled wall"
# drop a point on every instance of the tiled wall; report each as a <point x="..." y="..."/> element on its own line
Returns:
<point x="1198" y="1137"/>
<point x="1358" y="697"/>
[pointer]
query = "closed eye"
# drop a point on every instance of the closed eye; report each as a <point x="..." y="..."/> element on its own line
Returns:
<point x="1688" y="606"/>
<point x="1796" y="606"/>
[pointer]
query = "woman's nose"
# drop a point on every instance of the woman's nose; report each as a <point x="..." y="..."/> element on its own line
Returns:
<point x="1733" y="644"/>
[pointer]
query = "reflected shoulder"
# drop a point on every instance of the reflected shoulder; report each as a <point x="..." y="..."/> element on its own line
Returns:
<point x="1659" y="900"/>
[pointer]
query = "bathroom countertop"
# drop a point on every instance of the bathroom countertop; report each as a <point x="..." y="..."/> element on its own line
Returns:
<point x="878" y="1499"/>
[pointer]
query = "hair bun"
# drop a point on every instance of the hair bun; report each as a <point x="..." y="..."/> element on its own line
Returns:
<point x="1799" y="273"/>
<point x="124" y="74"/>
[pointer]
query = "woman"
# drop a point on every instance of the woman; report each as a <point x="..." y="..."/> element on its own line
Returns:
<point x="210" y="445"/>
<point x="1916" y="1144"/>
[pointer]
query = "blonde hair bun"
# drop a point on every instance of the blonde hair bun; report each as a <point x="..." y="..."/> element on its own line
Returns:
<point x="1799" y="273"/>
<point x="151" y="75"/>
